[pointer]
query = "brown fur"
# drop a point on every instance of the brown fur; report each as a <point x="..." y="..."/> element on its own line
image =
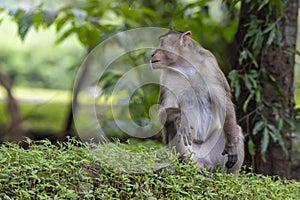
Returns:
<point x="194" y="87"/>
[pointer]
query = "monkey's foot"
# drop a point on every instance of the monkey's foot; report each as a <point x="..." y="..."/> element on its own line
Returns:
<point x="232" y="159"/>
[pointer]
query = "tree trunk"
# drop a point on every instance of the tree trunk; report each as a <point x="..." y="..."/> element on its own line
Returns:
<point x="279" y="61"/>
<point x="68" y="131"/>
<point x="15" y="131"/>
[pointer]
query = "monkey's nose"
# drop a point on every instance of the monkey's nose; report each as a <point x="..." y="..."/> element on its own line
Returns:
<point x="154" y="52"/>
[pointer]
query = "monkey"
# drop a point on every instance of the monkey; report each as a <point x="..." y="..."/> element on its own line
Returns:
<point x="196" y="110"/>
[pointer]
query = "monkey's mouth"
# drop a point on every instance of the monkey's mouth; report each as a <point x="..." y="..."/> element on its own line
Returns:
<point x="154" y="61"/>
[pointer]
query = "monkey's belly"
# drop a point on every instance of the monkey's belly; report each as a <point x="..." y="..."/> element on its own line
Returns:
<point x="209" y="153"/>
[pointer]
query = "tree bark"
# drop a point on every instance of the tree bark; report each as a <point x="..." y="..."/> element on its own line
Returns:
<point x="279" y="61"/>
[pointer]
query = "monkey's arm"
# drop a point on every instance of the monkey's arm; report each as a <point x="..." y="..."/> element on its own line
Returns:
<point x="165" y="100"/>
<point x="176" y="123"/>
<point x="173" y="118"/>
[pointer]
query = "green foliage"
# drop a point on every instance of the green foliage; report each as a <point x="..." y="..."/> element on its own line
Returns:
<point x="262" y="31"/>
<point x="92" y="21"/>
<point x="35" y="16"/>
<point x="73" y="171"/>
<point x="37" y="62"/>
<point x="269" y="130"/>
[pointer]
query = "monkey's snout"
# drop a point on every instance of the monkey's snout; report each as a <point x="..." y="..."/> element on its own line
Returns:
<point x="155" y="56"/>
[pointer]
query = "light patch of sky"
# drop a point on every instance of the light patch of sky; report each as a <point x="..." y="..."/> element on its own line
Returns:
<point x="42" y="37"/>
<point x="32" y="3"/>
<point x="215" y="11"/>
<point x="216" y="15"/>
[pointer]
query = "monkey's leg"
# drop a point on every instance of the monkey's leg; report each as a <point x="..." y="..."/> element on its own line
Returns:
<point x="231" y="130"/>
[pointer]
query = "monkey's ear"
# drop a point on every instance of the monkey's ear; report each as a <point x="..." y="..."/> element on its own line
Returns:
<point x="185" y="38"/>
<point x="187" y="33"/>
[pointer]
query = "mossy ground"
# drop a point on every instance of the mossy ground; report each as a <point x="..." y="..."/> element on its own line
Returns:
<point x="74" y="170"/>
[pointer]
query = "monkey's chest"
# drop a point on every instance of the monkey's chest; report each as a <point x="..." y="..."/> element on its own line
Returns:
<point x="192" y="99"/>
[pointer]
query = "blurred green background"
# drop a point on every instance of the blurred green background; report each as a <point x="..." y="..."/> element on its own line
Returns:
<point x="43" y="65"/>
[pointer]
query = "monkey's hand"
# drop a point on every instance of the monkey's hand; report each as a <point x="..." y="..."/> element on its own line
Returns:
<point x="181" y="123"/>
<point x="184" y="132"/>
<point x="231" y="151"/>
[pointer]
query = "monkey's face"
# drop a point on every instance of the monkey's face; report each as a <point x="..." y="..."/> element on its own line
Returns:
<point x="170" y="49"/>
<point x="162" y="58"/>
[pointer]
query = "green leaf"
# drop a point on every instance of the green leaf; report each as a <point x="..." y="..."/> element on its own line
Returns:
<point x="247" y="82"/>
<point x="274" y="132"/>
<point x="234" y="83"/>
<point x="93" y="35"/>
<point x="60" y="22"/>
<point x="252" y="58"/>
<point x="250" y="33"/>
<point x="270" y="79"/>
<point x="66" y="34"/>
<point x="24" y="23"/>
<point x="82" y="33"/>
<point x="258" y="127"/>
<point x="253" y="73"/>
<point x="253" y="82"/>
<point x="262" y="4"/>
<point x="271" y="37"/>
<point x="278" y="137"/>
<point x="279" y="35"/>
<point x="282" y="144"/>
<point x="16" y="13"/>
<point x="277" y="105"/>
<point x="237" y="89"/>
<point x="37" y="18"/>
<point x="258" y="95"/>
<point x="264" y="144"/>
<point x="257" y="43"/>
<point x="247" y="101"/>
<point x="270" y="27"/>
<point x="48" y="16"/>
<point x="233" y="76"/>
<point x="251" y="147"/>
<point x="111" y="18"/>
<point x="280" y="123"/>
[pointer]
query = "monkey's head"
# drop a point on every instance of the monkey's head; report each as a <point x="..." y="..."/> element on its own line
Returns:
<point x="172" y="48"/>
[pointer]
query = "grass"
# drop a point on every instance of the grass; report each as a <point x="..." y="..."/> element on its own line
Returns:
<point x="74" y="171"/>
<point x="41" y="109"/>
<point x="46" y="109"/>
<point x="38" y="95"/>
<point x="50" y="116"/>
